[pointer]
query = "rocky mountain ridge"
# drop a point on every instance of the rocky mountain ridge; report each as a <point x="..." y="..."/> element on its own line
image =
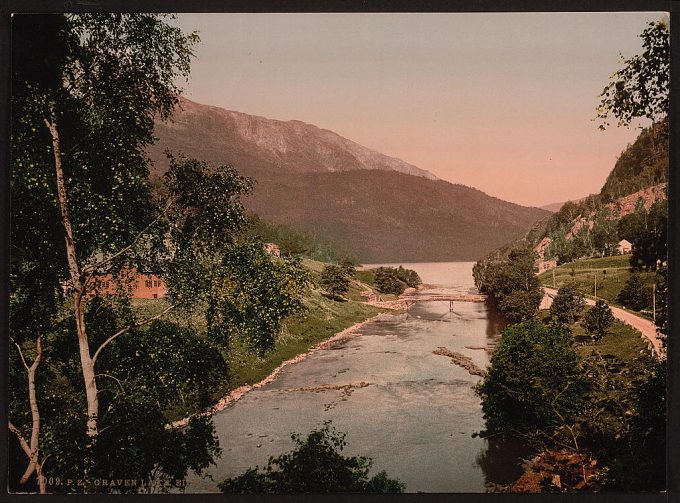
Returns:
<point x="253" y="143"/>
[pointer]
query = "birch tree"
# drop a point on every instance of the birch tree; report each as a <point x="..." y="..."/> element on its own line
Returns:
<point x="86" y="92"/>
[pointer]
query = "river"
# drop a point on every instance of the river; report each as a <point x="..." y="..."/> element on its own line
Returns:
<point x="413" y="412"/>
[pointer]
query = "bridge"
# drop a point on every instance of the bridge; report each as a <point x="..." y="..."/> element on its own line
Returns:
<point x="451" y="298"/>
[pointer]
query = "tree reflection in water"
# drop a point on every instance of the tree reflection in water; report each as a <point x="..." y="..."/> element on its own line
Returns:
<point x="501" y="459"/>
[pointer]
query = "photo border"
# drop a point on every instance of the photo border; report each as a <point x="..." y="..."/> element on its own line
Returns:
<point x="336" y="6"/>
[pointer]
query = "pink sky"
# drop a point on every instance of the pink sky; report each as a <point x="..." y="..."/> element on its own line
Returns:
<point x="500" y="102"/>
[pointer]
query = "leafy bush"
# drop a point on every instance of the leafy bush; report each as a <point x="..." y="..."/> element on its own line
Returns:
<point x="534" y="383"/>
<point x="349" y="267"/>
<point x="512" y="284"/>
<point x="567" y="305"/>
<point x="598" y="319"/>
<point x="395" y="279"/>
<point x="520" y="305"/>
<point x="635" y="295"/>
<point x="316" y="465"/>
<point x="334" y="279"/>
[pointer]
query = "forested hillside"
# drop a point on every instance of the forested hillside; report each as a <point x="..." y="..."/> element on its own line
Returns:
<point x="631" y="205"/>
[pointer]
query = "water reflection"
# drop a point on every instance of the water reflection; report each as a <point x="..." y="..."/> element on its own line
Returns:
<point x="496" y="323"/>
<point x="501" y="459"/>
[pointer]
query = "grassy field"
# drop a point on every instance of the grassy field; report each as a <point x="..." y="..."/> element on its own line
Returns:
<point x="621" y="342"/>
<point x="322" y="319"/>
<point x="611" y="272"/>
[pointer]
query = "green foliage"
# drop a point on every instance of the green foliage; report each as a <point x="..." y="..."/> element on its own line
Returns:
<point x="335" y="280"/>
<point x="255" y="293"/>
<point x="520" y="305"/>
<point x="87" y="90"/>
<point x="395" y="279"/>
<point x="662" y="303"/>
<point x="292" y="241"/>
<point x="316" y="465"/>
<point x="349" y="267"/>
<point x="567" y="305"/>
<point x="631" y="226"/>
<point x="604" y="234"/>
<point x="635" y="294"/>
<point x="598" y="319"/>
<point x="639" y="462"/>
<point x="650" y="247"/>
<point x="534" y="384"/>
<point x="170" y="362"/>
<point x="640" y="88"/>
<point x="511" y="284"/>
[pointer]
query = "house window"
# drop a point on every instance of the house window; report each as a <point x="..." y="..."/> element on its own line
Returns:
<point x="148" y="283"/>
<point x="155" y="283"/>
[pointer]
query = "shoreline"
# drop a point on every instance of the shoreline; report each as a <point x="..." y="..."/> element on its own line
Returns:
<point x="237" y="393"/>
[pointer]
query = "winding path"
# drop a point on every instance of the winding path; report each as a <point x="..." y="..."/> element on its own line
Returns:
<point x="645" y="327"/>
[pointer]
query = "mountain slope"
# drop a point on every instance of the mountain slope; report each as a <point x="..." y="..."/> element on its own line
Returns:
<point x="390" y="216"/>
<point x="590" y="226"/>
<point x="365" y="204"/>
<point x="259" y="145"/>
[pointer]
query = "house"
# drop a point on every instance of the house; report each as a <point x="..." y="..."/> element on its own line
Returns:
<point x="624" y="247"/>
<point x="144" y="286"/>
<point x="546" y="265"/>
<point x="272" y="249"/>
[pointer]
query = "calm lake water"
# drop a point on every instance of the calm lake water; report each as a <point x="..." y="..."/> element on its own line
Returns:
<point x="411" y="411"/>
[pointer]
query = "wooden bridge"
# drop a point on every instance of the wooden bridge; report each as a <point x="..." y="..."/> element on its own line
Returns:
<point x="451" y="298"/>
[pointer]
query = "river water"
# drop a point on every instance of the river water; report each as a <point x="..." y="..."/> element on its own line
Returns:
<point x="413" y="412"/>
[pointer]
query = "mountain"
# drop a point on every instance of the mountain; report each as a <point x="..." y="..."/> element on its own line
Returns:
<point x="365" y="204"/>
<point x="257" y="145"/>
<point x="390" y="216"/>
<point x="642" y="164"/>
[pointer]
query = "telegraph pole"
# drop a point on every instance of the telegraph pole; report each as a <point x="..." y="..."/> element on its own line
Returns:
<point x="595" y="286"/>
<point x="654" y="301"/>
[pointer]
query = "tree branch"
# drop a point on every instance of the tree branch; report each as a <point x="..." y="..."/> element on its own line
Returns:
<point x="90" y="269"/>
<point x="20" y="438"/>
<point x="114" y="378"/>
<point x="20" y="353"/>
<point x="127" y="329"/>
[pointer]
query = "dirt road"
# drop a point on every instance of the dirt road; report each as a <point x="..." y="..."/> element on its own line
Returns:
<point x="642" y="325"/>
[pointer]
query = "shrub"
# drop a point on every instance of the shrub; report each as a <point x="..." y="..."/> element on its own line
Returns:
<point x="534" y="383"/>
<point x="334" y="279"/>
<point x="316" y="465"/>
<point x="395" y="280"/>
<point x="567" y="305"/>
<point x="635" y="295"/>
<point x="598" y="319"/>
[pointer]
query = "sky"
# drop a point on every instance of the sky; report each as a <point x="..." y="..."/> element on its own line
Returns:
<point x="503" y="102"/>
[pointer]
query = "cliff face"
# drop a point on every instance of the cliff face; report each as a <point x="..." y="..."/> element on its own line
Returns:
<point x="647" y="197"/>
